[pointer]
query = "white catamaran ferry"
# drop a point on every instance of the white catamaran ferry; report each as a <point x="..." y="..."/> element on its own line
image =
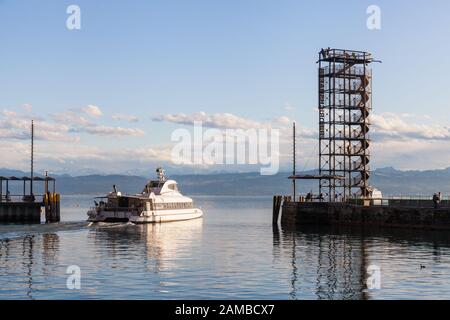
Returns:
<point x="160" y="201"/>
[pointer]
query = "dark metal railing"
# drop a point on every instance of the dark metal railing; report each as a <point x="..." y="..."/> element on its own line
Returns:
<point x="4" y="198"/>
<point x="117" y="209"/>
<point x="401" y="201"/>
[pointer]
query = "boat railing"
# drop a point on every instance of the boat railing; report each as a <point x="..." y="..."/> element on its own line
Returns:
<point x="116" y="209"/>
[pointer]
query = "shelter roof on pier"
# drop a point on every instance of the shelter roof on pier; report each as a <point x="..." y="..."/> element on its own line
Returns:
<point x="26" y="179"/>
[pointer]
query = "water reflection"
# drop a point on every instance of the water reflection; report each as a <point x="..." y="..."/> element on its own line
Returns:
<point x="160" y="246"/>
<point x="340" y="256"/>
<point x="50" y="250"/>
<point x="21" y="256"/>
<point x="10" y="249"/>
<point x="27" y="253"/>
<point x="232" y="253"/>
<point x="340" y="263"/>
<point x="168" y="243"/>
<point x="330" y="265"/>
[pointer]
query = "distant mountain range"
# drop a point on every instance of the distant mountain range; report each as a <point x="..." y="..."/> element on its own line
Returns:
<point x="389" y="180"/>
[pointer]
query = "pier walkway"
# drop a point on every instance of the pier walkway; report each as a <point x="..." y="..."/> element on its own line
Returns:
<point x="27" y="207"/>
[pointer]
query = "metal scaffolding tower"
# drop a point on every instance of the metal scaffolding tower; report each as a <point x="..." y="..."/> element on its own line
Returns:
<point x="345" y="102"/>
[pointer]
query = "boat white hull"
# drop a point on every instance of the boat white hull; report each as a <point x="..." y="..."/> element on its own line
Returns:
<point x="167" y="216"/>
<point x="158" y="216"/>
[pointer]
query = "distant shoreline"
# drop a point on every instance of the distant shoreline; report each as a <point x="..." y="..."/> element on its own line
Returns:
<point x="390" y="181"/>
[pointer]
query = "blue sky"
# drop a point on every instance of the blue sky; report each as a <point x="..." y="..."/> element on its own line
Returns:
<point x="250" y="59"/>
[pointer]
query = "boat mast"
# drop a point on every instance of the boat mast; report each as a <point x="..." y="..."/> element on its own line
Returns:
<point x="293" y="162"/>
<point x="32" y="158"/>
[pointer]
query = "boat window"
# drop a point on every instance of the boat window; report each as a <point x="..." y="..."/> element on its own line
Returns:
<point x="173" y="186"/>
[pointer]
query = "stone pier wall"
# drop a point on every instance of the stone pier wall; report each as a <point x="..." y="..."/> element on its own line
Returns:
<point x="295" y="213"/>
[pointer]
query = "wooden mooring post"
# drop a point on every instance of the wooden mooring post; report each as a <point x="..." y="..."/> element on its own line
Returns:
<point x="277" y="201"/>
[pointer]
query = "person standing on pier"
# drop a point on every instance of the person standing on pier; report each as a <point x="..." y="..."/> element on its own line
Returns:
<point x="436" y="200"/>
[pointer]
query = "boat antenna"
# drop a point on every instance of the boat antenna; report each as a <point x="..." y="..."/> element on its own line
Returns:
<point x="161" y="174"/>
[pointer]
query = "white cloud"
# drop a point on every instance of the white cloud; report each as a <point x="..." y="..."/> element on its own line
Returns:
<point x="221" y="120"/>
<point x="125" y="117"/>
<point x="306" y="138"/>
<point x="71" y="118"/>
<point x="110" y="131"/>
<point x="6" y="113"/>
<point x="17" y="154"/>
<point x="76" y="116"/>
<point x="231" y="121"/>
<point x="92" y="110"/>
<point x="16" y="126"/>
<point x="284" y="121"/>
<point x="79" y="124"/>
<point x="73" y="158"/>
<point x="418" y="154"/>
<point x="217" y="120"/>
<point x="61" y="127"/>
<point x="405" y="141"/>
<point x="6" y="133"/>
<point x="393" y="126"/>
<point x="416" y="116"/>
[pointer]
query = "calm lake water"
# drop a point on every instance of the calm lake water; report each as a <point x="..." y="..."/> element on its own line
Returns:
<point x="232" y="253"/>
